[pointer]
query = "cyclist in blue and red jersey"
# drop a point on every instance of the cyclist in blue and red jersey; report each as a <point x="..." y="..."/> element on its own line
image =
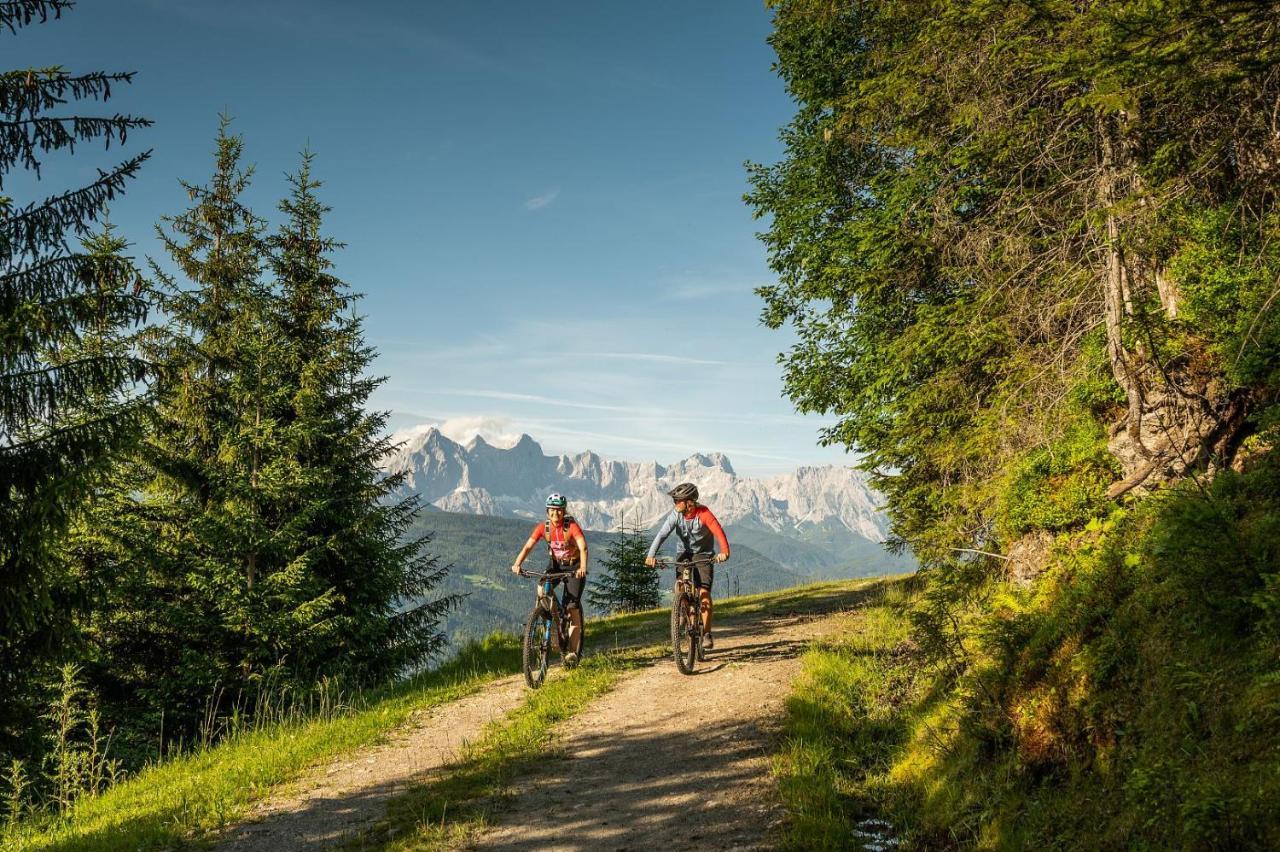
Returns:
<point x="566" y="548"/>
<point x="697" y="529"/>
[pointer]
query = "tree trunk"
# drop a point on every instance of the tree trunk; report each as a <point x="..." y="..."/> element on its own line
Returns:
<point x="1178" y="418"/>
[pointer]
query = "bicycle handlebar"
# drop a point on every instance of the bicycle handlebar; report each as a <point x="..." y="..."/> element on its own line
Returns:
<point x="549" y="575"/>
<point x="667" y="562"/>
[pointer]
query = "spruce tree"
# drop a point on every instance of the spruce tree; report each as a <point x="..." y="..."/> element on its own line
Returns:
<point x="64" y="408"/>
<point x="184" y="615"/>
<point x="254" y="545"/>
<point x="363" y="609"/>
<point x="625" y="583"/>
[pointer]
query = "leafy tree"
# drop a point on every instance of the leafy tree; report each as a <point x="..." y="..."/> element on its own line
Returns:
<point x="625" y="583"/>
<point x="1035" y="238"/>
<point x="69" y="397"/>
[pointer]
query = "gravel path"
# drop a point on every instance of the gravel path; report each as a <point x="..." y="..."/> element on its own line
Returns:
<point x="338" y="799"/>
<point x="667" y="761"/>
<point x="664" y="761"/>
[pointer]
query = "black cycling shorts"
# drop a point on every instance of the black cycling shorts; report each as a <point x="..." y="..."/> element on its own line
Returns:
<point x="704" y="573"/>
<point x="571" y="597"/>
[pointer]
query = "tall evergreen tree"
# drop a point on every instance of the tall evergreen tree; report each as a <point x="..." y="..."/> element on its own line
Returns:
<point x="183" y="616"/>
<point x="625" y="583"/>
<point x="64" y="407"/>
<point x="364" y="608"/>
<point x="254" y="536"/>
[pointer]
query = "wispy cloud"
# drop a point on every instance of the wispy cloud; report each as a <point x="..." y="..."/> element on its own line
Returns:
<point x="656" y="358"/>
<point x="541" y="400"/>
<point x="540" y="201"/>
<point x="683" y="288"/>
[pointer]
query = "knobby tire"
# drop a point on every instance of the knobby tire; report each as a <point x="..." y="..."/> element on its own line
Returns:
<point x="537" y="647"/>
<point x="683" y="647"/>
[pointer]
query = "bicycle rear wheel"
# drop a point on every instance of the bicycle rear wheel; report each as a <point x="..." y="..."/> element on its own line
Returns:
<point x="537" y="647"/>
<point x="683" y="646"/>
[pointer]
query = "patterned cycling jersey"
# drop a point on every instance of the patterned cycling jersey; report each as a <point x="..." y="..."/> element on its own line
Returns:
<point x="563" y="542"/>
<point x="695" y="531"/>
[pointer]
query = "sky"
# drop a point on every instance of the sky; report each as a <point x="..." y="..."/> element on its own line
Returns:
<point x="541" y="203"/>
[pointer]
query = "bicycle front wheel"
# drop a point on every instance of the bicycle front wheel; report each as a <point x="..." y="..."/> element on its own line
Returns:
<point x="683" y="646"/>
<point x="537" y="647"/>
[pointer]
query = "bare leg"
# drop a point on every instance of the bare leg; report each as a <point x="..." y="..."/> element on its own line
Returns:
<point x="705" y="594"/>
<point x="575" y="629"/>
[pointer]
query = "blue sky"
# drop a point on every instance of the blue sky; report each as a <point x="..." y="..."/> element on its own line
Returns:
<point x="541" y="201"/>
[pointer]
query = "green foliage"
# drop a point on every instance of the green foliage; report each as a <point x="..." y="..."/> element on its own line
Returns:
<point x="1230" y="275"/>
<point x="624" y="583"/>
<point x="1029" y="254"/>
<point x="958" y="177"/>
<point x="1128" y="700"/>
<point x="249" y="545"/>
<point x="72" y="387"/>
<point x="1058" y="487"/>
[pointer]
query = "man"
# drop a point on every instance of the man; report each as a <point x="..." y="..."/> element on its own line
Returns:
<point x="696" y="527"/>
<point x="566" y="548"/>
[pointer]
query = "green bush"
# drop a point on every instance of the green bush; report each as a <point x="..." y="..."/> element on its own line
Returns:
<point x="1060" y="486"/>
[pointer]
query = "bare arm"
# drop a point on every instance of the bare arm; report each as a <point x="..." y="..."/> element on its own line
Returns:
<point x="524" y="551"/>
<point x="582" y="556"/>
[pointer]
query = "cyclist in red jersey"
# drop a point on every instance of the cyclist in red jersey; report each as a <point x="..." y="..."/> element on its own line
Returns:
<point x="567" y="548"/>
<point x="697" y="529"/>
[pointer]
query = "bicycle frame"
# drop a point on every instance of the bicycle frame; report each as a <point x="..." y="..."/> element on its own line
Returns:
<point x="550" y="611"/>
<point x="687" y="602"/>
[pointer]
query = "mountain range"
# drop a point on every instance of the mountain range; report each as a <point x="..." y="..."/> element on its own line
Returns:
<point x="480" y="478"/>
<point x="819" y="522"/>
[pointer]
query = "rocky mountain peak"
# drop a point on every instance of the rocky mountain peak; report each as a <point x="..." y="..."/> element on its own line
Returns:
<point x="480" y="478"/>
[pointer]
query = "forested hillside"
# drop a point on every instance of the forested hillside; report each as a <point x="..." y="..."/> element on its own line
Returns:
<point x="479" y="550"/>
<point x="1030" y="253"/>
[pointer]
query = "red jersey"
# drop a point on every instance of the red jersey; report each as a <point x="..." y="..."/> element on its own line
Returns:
<point x="564" y="547"/>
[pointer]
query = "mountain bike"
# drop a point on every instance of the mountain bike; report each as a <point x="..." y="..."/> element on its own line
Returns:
<point x="686" y="614"/>
<point x="547" y="621"/>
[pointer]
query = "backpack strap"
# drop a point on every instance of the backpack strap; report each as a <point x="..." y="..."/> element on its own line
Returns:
<point x="564" y="527"/>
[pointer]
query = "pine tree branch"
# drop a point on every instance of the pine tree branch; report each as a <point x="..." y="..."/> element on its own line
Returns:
<point x="31" y="396"/>
<point x="21" y="140"/>
<point x="33" y="228"/>
<point x="15" y="14"/>
<point x="28" y="93"/>
<point x="57" y="277"/>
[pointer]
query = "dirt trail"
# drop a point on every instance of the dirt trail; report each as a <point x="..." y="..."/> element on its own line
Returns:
<point x="663" y="761"/>
<point x="667" y="761"/>
<point x="338" y="799"/>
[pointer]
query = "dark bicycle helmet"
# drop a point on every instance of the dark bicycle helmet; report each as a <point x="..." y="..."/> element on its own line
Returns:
<point x="684" y="491"/>
<point x="557" y="501"/>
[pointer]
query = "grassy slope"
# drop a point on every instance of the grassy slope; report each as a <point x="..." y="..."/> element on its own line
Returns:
<point x="209" y="788"/>
<point x="1130" y="700"/>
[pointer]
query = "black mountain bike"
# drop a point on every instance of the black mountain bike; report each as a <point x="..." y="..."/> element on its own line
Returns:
<point x="547" y="622"/>
<point x="686" y="615"/>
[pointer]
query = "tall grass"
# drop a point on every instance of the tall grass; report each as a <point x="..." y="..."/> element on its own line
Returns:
<point x="214" y="782"/>
<point x="842" y="724"/>
<point x="1129" y="699"/>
